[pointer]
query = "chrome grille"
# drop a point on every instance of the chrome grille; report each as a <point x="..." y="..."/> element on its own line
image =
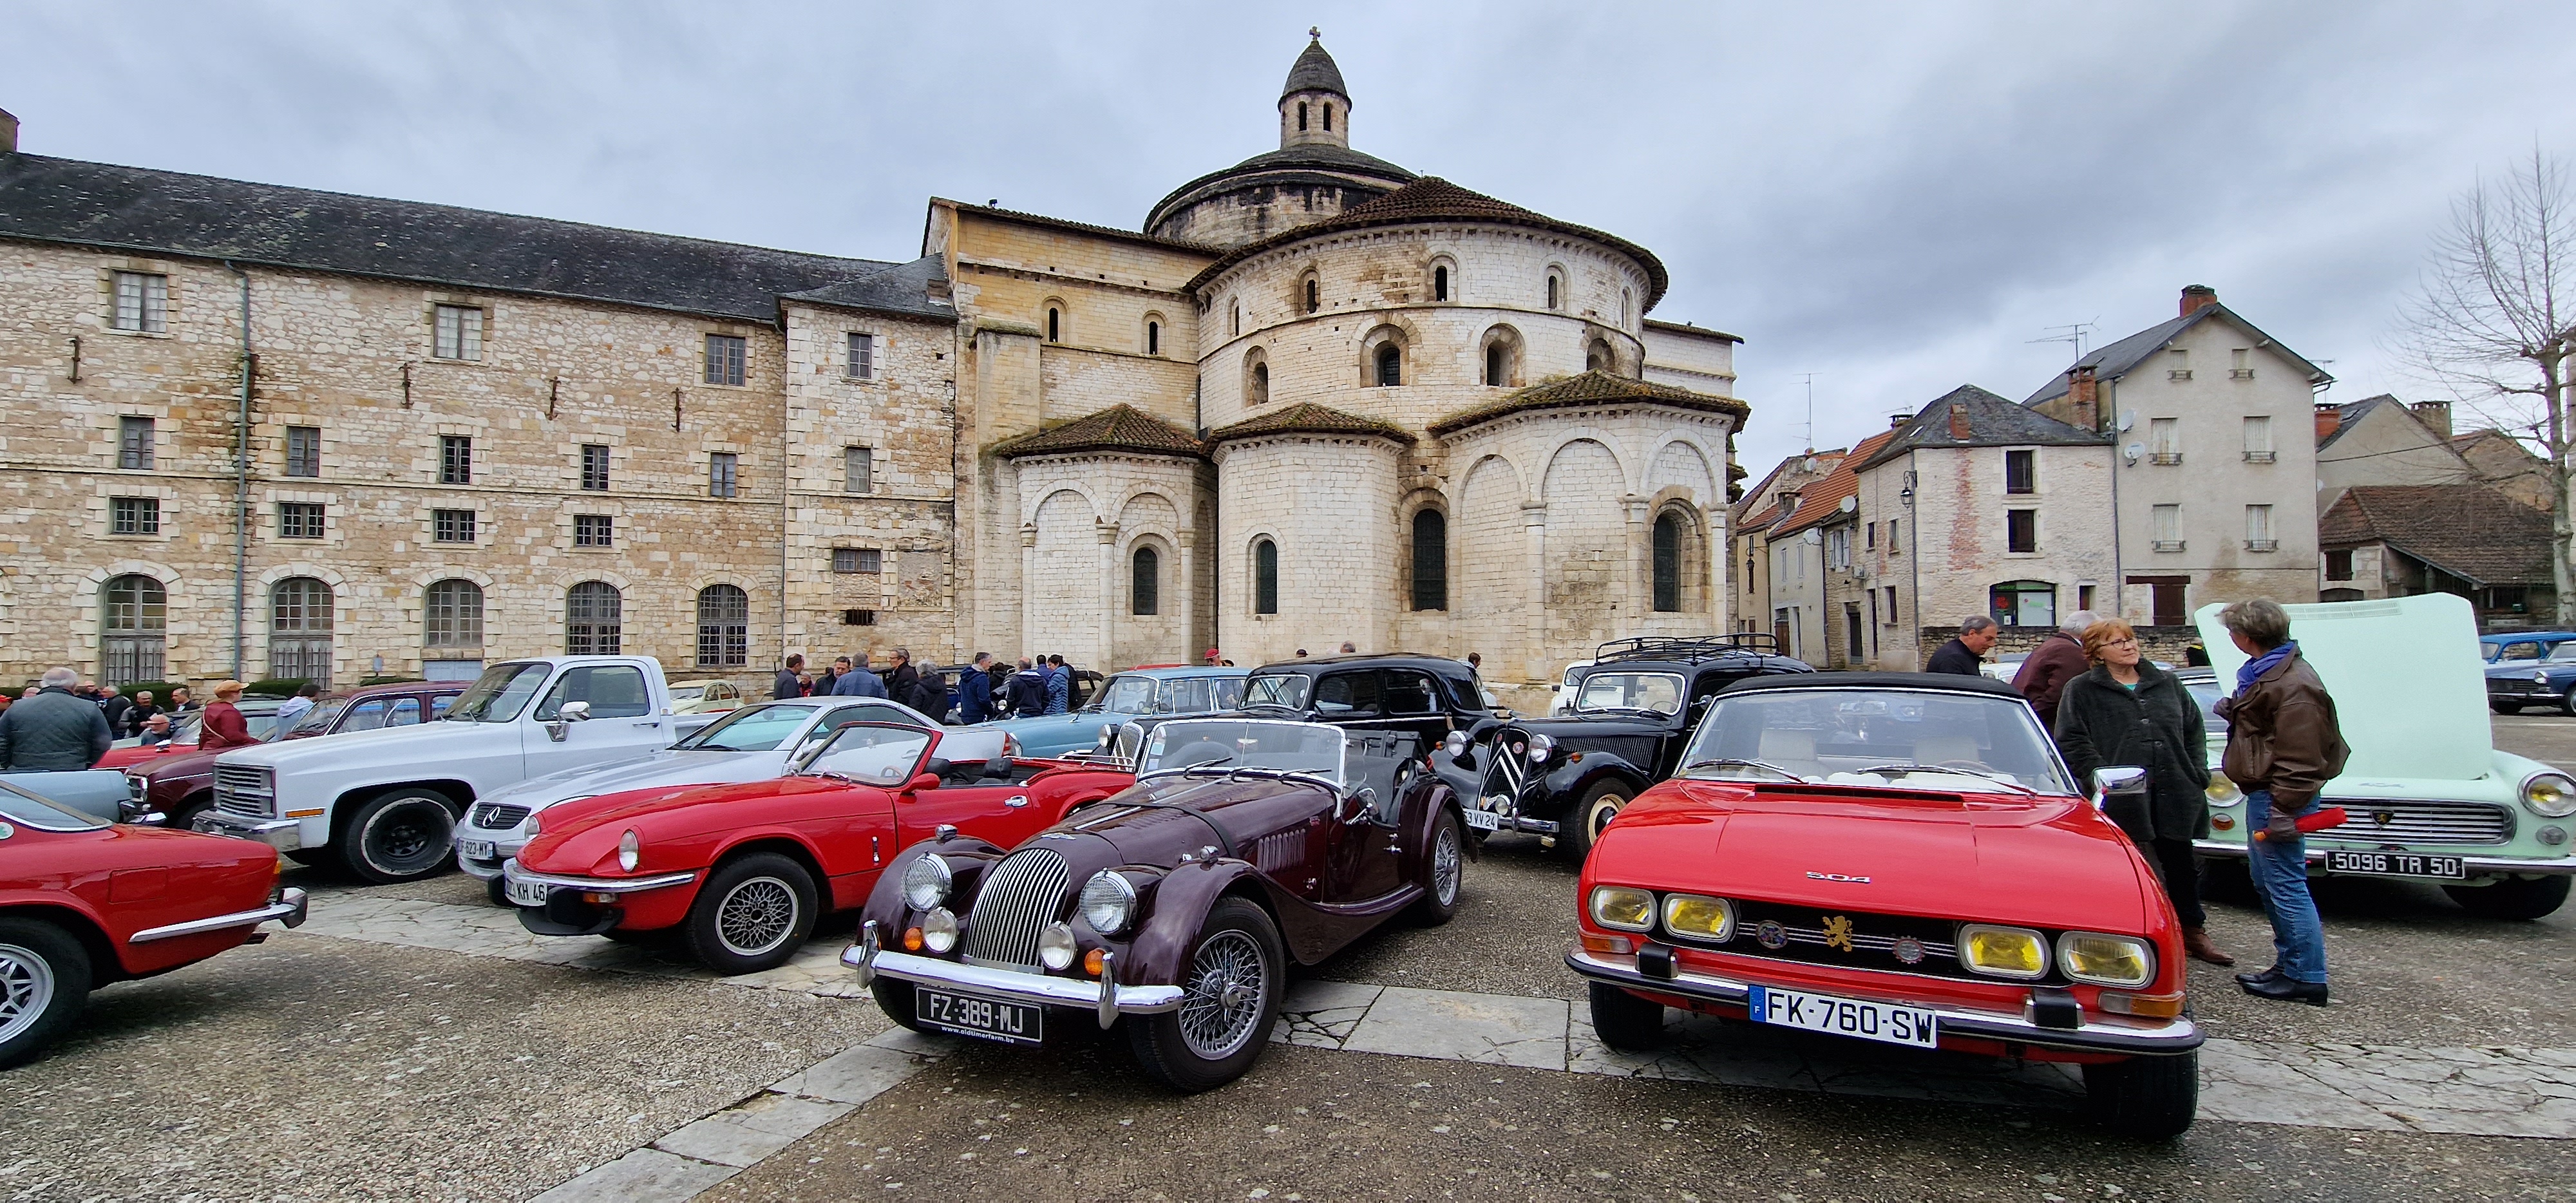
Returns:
<point x="243" y="789"/>
<point x="1280" y="850"/>
<point x="492" y="816"/>
<point x="2411" y="821"/>
<point x="1020" y="896"/>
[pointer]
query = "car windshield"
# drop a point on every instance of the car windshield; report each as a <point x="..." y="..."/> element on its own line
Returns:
<point x="2516" y="651"/>
<point x="1229" y="745"/>
<point x="750" y="729"/>
<point x="1124" y="694"/>
<point x="1906" y="738"/>
<point x="1278" y="689"/>
<point x="1199" y="695"/>
<point x="688" y="693"/>
<point x="1657" y="692"/>
<point x="499" y="694"/>
<point x="324" y="713"/>
<point x="19" y="806"/>
<point x="870" y="755"/>
<point x="2563" y="653"/>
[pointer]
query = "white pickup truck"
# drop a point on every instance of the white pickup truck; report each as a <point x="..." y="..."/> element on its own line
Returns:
<point x="387" y="801"/>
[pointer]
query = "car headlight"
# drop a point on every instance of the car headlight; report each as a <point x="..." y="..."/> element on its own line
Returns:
<point x="939" y="930"/>
<point x="1540" y="748"/>
<point x="1699" y="917"/>
<point x="1622" y="908"/>
<point x="1108" y="902"/>
<point x="2223" y="792"/>
<point x="1108" y="736"/>
<point x="1055" y="946"/>
<point x="926" y="881"/>
<point x="2540" y="678"/>
<point x="2123" y="961"/>
<point x="2014" y="952"/>
<point x="533" y="823"/>
<point x="630" y="850"/>
<point x="2550" y="795"/>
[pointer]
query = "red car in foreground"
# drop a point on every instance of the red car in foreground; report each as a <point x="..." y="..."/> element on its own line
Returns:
<point x="84" y="903"/>
<point x="743" y="871"/>
<point x="1899" y="858"/>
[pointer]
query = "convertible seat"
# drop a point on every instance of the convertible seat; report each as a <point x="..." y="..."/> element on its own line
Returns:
<point x="1933" y="749"/>
<point x="1793" y="750"/>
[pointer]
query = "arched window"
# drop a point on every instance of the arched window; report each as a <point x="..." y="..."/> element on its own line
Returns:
<point x="453" y="616"/>
<point x="1301" y="116"/>
<point x="1237" y="326"/>
<point x="1055" y="324"/>
<point x="1145" y="583"/>
<point x="1328" y="118"/>
<point x="1265" y="577"/>
<point x="1314" y="294"/>
<point x="1440" y="283"/>
<point x="1153" y="338"/>
<point x="2024" y="604"/>
<point x="1256" y="377"/>
<point x="1668" y="563"/>
<point x="1627" y="308"/>
<point x="133" y="617"/>
<point x="1390" y="365"/>
<point x="724" y="627"/>
<point x="1554" y="287"/>
<point x="1498" y="366"/>
<point x="1430" y="560"/>
<point x="594" y="619"/>
<point x="1597" y="357"/>
<point x="299" y="630"/>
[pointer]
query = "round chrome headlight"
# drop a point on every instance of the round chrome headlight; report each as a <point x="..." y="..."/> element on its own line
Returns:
<point x="2223" y="792"/>
<point x="1455" y="744"/>
<point x="926" y="881"/>
<point x="1108" y="902"/>
<point x="1055" y="946"/>
<point x="630" y="850"/>
<point x="2540" y="678"/>
<point x="939" y="930"/>
<point x="1540" y="748"/>
<point x="2550" y="795"/>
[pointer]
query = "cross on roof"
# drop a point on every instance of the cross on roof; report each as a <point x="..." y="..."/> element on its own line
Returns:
<point x="1316" y="32"/>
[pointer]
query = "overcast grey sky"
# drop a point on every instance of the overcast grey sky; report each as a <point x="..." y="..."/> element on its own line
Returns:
<point x="1897" y="199"/>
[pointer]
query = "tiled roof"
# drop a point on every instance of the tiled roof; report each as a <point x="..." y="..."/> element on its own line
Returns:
<point x="1078" y="227"/>
<point x="2116" y="359"/>
<point x="1590" y="388"/>
<point x="917" y="289"/>
<point x="1120" y="427"/>
<point x="1430" y="198"/>
<point x="1314" y="71"/>
<point x="1306" y="417"/>
<point x="2476" y="534"/>
<point x="1991" y="420"/>
<point x="1317" y="162"/>
<point x="1823" y="499"/>
<point x="1687" y="328"/>
<point x="151" y="212"/>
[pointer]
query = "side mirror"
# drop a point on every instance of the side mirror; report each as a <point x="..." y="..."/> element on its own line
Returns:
<point x="2119" y="781"/>
<point x="574" y="712"/>
<point x="926" y="780"/>
<point x="1358" y="802"/>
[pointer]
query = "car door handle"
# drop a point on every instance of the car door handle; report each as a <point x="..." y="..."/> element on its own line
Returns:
<point x="1016" y="801"/>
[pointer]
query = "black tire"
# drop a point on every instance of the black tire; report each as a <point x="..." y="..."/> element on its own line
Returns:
<point x="1217" y="1033"/>
<point x="186" y="812"/>
<point x="1444" y="870"/>
<point x="2512" y="898"/>
<point x="2567" y="703"/>
<point x="2505" y="707"/>
<point x="400" y="835"/>
<point x="752" y="914"/>
<point x="44" y="983"/>
<point x="894" y="997"/>
<point x="2149" y="1098"/>
<point x="1624" y="1021"/>
<point x="498" y="890"/>
<point x="312" y="857"/>
<point x="1600" y="804"/>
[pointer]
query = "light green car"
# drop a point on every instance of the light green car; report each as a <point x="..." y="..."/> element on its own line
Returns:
<point x="2430" y="797"/>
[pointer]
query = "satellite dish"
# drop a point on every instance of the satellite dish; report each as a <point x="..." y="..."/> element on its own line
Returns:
<point x="1812" y="537"/>
<point x="1850" y="505"/>
<point x="2134" y="450"/>
<point x="2128" y="418"/>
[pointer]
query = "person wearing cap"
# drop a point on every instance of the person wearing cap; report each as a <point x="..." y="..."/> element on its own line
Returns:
<point x="223" y="726"/>
<point x="1214" y="657"/>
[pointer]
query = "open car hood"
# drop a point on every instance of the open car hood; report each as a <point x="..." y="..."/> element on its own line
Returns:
<point x="2409" y="688"/>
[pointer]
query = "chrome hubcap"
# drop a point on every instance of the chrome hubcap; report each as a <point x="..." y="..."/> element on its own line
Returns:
<point x="1444" y="865"/>
<point x="1229" y="990"/>
<point x="756" y="916"/>
<point x="26" y="989"/>
<point x="1603" y="811"/>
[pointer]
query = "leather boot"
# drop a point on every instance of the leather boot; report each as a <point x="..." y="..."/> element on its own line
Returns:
<point x="2289" y="990"/>
<point x="2195" y="941"/>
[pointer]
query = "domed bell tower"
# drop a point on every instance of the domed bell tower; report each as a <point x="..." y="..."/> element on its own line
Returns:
<point x="1314" y="107"/>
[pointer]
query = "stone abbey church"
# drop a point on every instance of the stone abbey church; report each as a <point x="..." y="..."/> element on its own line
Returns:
<point x="1316" y="397"/>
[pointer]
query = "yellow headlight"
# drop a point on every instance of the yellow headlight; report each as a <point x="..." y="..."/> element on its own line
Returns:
<point x="2015" y="952"/>
<point x="2122" y="961"/>
<point x="2222" y="791"/>
<point x="1623" y="908"/>
<point x="1698" y="917"/>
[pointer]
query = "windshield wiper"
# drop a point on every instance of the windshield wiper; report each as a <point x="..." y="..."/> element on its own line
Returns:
<point x="1914" y="767"/>
<point x="1724" y="761"/>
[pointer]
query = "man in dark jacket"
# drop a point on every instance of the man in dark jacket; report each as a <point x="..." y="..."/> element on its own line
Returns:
<point x="789" y="684"/>
<point x="903" y="681"/>
<point x="2057" y="660"/>
<point x="859" y="681"/>
<point x="975" y="690"/>
<point x="2283" y="745"/>
<point x="1027" y="691"/>
<point x="114" y="705"/>
<point x="1963" y="655"/>
<point x="53" y="731"/>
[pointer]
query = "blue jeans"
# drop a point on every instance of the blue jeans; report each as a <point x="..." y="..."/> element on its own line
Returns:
<point x="2280" y="872"/>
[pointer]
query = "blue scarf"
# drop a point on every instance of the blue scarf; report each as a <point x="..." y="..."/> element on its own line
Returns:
<point x="2264" y="663"/>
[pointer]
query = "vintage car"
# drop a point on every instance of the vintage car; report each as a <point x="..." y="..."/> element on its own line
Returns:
<point x="1134" y="694"/>
<point x="106" y="795"/>
<point x="704" y="697"/>
<point x="177" y="787"/>
<point x="1427" y="695"/>
<point x="2520" y="645"/>
<point x="1176" y="906"/>
<point x="1900" y="858"/>
<point x="1565" y="776"/>
<point x="85" y="903"/>
<point x="2548" y="681"/>
<point x="2429" y="796"/>
<point x="741" y="872"/>
<point x="258" y="714"/>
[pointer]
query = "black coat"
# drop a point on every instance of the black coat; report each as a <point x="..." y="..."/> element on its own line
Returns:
<point x="1955" y="658"/>
<point x="2157" y="728"/>
<point x="53" y="731"/>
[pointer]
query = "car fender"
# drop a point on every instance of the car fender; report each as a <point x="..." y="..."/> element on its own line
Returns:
<point x="1570" y="781"/>
<point x="1182" y="900"/>
<point x="1443" y="800"/>
<point x="78" y="917"/>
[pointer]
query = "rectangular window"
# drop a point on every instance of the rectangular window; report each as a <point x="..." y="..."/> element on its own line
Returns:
<point x="2258" y="528"/>
<point x="858" y="470"/>
<point x="2258" y="440"/>
<point x="2339" y="565"/>
<point x="134" y="443"/>
<point x="451" y="526"/>
<point x="299" y="520"/>
<point x="1891" y="535"/>
<point x="858" y="559"/>
<point x="2177" y="364"/>
<point x="134" y="515"/>
<point x="142" y="303"/>
<point x="2021" y="530"/>
<point x="593" y="530"/>
<point x="2164" y="440"/>
<point x="721" y="467"/>
<point x="1838" y="548"/>
<point x="455" y="459"/>
<point x="725" y="355"/>
<point x="2084" y="597"/>
<point x="2168" y="528"/>
<point x="863" y="357"/>
<point x="1869" y="536"/>
<point x="460" y="333"/>
<point x="304" y="451"/>
<point x="2240" y="364"/>
<point x="2021" y="472"/>
<point x="594" y="467"/>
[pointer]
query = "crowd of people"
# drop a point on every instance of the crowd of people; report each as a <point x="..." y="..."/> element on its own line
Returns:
<point x="62" y="723"/>
<point x="985" y="689"/>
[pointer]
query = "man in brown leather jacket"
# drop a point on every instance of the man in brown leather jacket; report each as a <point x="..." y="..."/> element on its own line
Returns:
<point x="2057" y="660"/>
<point x="2283" y="745"/>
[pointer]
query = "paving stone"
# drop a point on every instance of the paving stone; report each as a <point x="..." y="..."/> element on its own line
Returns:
<point x="1320" y="1014"/>
<point x="852" y="1076"/>
<point x="1492" y="1028"/>
<point x="643" y="1176"/>
<point x="744" y="1133"/>
<point x="919" y="1044"/>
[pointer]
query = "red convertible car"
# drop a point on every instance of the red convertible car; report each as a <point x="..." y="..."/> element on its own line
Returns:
<point x="742" y="871"/>
<point x="1899" y="858"/>
<point x="84" y="903"/>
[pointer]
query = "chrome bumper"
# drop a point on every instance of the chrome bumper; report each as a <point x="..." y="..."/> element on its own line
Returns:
<point x="511" y="872"/>
<point x="1035" y="989"/>
<point x="289" y="907"/>
<point x="2179" y="1035"/>
<point x="2546" y="867"/>
<point x="285" y="835"/>
<point x="502" y="853"/>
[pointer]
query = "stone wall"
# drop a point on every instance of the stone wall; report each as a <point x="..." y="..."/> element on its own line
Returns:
<point x="1329" y="503"/>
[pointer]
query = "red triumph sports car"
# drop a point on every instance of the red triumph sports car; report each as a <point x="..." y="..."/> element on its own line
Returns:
<point x="742" y="871"/>
<point x="1899" y="858"/>
<point x="84" y="903"/>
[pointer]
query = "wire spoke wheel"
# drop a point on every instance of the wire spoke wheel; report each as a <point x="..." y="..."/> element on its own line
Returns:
<point x="26" y="990"/>
<point x="1228" y="993"/>
<point x="756" y="916"/>
<point x="1444" y="865"/>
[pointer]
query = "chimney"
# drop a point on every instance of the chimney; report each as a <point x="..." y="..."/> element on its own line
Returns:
<point x="2084" y="398"/>
<point x="2196" y="297"/>
<point x="2436" y="414"/>
<point x="8" y="133"/>
<point x="2329" y="420"/>
<point x="1898" y="421"/>
<point x="1959" y="422"/>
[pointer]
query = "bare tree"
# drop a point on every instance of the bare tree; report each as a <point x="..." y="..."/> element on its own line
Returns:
<point x="2494" y="320"/>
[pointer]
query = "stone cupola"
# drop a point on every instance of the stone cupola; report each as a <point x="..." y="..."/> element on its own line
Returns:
<point x="1314" y="107"/>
